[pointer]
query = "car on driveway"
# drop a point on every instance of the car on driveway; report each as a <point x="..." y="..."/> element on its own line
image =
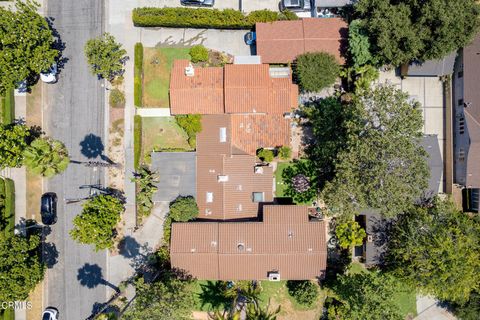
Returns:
<point x="48" y="208"/>
<point x="250" y="38"/>
<point x="50" y="75"/>
<point x="50" y="314"/>
<point x="296" y="5"/>
<point x="200" y="3"/>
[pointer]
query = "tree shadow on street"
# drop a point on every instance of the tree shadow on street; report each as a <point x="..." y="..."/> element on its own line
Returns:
<point x="92" y="146"/>
<point x="90" y="276"/>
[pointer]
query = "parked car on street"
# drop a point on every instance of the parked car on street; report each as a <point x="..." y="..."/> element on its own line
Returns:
<point x="48" y="208"/>
<point x="250" y="38"/>
<point x="200" y="3"/>
<point x="296" y="5"/>
<point x="50" y="314"/>
<point x="50" y="75"/>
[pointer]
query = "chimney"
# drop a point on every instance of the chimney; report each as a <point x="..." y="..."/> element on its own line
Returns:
<point x="189" y="71"/>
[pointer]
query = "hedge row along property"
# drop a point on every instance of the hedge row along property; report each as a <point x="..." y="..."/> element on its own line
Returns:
<point x="204" y="18"/>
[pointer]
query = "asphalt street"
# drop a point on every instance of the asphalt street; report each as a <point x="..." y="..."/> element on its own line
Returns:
<point x="75" y="114"/>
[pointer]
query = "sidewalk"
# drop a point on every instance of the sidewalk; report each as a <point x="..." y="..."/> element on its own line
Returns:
<point x="154" y="112"/>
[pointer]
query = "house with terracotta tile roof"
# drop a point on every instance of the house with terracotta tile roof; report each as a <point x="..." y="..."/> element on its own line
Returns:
<point x="283" y="41"/>
<point x="286" y="245"/>
<point x="233" y="89"/>
<point x="230" y="183"/>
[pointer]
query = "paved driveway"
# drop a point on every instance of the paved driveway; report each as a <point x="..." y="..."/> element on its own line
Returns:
<point x="245" y="5"/>
<point x="229" y="41"/>
<point x="176" y="172"/>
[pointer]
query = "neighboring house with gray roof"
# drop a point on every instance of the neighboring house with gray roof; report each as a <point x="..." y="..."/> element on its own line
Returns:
<point x="466" y="124"/>
<point x="430" y="68"/>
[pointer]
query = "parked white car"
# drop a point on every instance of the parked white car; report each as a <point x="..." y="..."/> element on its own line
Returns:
<point x="50" y="75"/>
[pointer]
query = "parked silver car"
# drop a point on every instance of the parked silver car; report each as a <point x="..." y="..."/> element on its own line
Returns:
<point x="200" y="3"/>
<point x="297" y="5"/>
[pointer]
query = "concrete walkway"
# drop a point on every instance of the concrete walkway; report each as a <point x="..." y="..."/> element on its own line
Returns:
<point x="429" y="309"/>
<point x="154" y="112"/>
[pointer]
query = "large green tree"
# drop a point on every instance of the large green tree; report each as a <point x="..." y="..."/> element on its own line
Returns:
<point x="26" y="44"/>
<point x="437" y="249"/>
<point x="349" y="234"/>
<point x="162" y="300"/>
<point x="13" y="141"/>
<point x="96" y="223"/>
<point x="382" y="165"/>
<point x="366" y="296"/>
<point x="20" y="266"/>
<point x="46" y="157"/>
<point x="316" y="71"/>
<point x="403" y="30"/>
<point x="105" y="56"/>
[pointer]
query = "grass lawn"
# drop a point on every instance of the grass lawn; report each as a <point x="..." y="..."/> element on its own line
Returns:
<point x="7" y="107"/>
<point x="7" y="314"/>
<point x="407" y="301"/>
<point x="157" y="64"/>
<point x="162" y="133"/>
<point x="7" y="209"/>
<point x="279" y="185"/>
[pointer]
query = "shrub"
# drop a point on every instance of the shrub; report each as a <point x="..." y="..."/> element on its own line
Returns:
<point x="304" y="292"/>
<point x="138" y="74"/>
<point x="198" y="53"/>
<point x="192" y="124"/>
<point x="316" y="71"/>
<point x="202" y="18"/>
<point x="265" y="155"/>
<point x="287" y="15"/>
<point x="137" y="140"/>
<point x="116" y="98"/>
<point x="284" y="152"/>
<point x="145" y="181"/>
<point x="183" y="209"/>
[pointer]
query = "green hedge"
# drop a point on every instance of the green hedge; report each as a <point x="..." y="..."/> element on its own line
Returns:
<point x="9" y="213"/>
<point x="202" y="18"/>
<point x="138" y="75"/>
<point x="137" y="140"/>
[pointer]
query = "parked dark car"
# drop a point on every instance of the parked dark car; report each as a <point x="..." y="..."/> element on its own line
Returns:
<point x="48" y="208"/>
<point x="250" y="38"/>
<point x="297" y="5"/>
<point x="200" y="3"/>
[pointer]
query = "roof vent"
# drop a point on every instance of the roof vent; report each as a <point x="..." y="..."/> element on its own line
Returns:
<point x="309" y="249"/>
<point x="213" y="243"/>
<point x="189" y="70"/>
<point x="222" y="178"/>
<point x="208" y="211"/>
<point x="259" y="169"/>
<point x="240" y="247"/>
<point x="290" y="234"/>
<point x="249" y="249"/>
<point x="193" y="250"/>
<point x="274" y="276"/>
<point x="370" y="238"/>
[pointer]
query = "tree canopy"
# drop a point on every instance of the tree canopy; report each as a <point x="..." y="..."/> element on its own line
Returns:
<point x="304" y="292"/>
<point x="437" y="249"/>
<point x="359" y="45"/>
<point x="26" y="46"/>
<point x="13" y="141"/>
<point x="20" y="265"/>
<point x="366" y="296"/>
<point x="402" y="31"/>
<point x="96" y="223"/>
<point x="46" y="157"/>
<point x="161" y="300"/>
<point x="316" y="70"/>
<point x="183" y="209"/>
<point x="349" y="234"/>
<point x="381" y="163"/>
<point x="105" y="56"/>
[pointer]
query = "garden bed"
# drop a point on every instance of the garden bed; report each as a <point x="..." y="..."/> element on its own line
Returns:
<point x="157" y="65"/>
